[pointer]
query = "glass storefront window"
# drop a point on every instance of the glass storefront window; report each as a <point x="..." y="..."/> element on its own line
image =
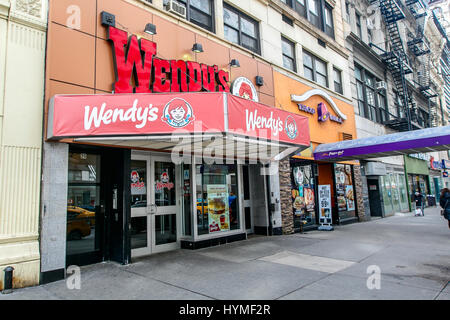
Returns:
<point x="217" y="199"/>
<point x="303" y="195"/>
<point x="345" y="191"/>
<point x="387" y="194"/>
<point x="403" y="192"/>
<point x="83" y="203"/>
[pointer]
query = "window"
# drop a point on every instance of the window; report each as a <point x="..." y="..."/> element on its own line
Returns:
<point x="318" y="12"/>
<point x="300" y="7"/>
<point x="217" y="199"/>
<point x="200" y="12"/>
<point x="358" y="25"/>
<point x="329" y="25"/>
<point x="241" y="29"/>
<point x="372" y="103"/>
<point x="288" y="52"/>
<point x="315" y="69"/>
<point x="314" y="13"/>
<point x="337" y="81"/>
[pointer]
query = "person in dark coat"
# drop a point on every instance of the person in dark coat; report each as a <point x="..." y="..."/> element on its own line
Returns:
<point x="419" y="199"/>
<point x="445" y="204"/>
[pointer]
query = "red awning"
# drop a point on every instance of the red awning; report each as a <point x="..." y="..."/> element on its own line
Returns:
<point x="154" y="120"/>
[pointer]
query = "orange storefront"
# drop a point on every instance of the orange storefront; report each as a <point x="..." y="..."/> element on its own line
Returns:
<point x="330" y="120"/>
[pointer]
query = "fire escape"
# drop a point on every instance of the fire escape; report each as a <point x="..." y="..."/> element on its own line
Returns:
<point x="398" y="63"/>
<point x="419" y="47"/>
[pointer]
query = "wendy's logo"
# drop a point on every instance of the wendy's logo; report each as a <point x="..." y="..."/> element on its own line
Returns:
<point x="164" y="177"/>
<point x="244" y="88"/>
<point x="178" y="113"/>
<point x="290" y="127"/>
<point x="134" y="176"/>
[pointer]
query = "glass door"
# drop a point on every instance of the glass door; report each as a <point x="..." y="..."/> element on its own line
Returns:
<point x="84" y="242"/>
<point x="154" y="207"/>
<point x="164" y="205"/>
<point x="140" y="196"/>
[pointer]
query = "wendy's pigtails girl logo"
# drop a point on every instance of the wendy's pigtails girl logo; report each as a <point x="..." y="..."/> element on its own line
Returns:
<point x="178" y="113"/>
<point x="290" y="127"/>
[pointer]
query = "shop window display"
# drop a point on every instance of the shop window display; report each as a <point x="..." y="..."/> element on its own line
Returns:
<point x="303" y="196"/>
<point x="345" y="191"/>
<point x="217" y="199"/>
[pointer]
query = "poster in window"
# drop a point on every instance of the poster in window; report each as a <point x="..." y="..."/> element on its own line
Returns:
<point x="309" y="199"/>
<point x="349" y="195"/>
<point x="218" y="208"/>
<point x="137" y="184"/>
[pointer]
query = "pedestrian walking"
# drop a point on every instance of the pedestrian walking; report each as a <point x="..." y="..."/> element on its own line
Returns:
<point x="445" y="204"/>
<point x="419" y="199"/>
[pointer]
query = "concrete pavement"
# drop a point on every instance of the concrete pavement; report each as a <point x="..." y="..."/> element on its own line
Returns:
<point x="412" y="253"/>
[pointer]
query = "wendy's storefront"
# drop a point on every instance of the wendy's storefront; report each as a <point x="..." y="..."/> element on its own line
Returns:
<point x="144" y="154"/>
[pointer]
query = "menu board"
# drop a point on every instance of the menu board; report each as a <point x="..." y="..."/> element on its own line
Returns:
<point x="218" y="208"/>
<point x="325" y="204"/>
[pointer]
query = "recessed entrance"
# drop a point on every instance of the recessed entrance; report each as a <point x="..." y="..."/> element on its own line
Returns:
<point x="155" y="223"/>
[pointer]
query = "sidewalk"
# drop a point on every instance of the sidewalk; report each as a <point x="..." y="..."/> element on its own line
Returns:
<point x="412" y="253"/>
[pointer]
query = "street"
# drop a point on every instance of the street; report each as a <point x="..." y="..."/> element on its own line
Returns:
<point x="412" y="254"/>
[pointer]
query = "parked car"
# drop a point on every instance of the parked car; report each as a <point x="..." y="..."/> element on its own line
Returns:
<point x="77" y="225"/>
<point x="83" y="214"/>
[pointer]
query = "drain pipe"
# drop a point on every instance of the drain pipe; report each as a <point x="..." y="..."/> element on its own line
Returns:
<point x="8" y="280"/>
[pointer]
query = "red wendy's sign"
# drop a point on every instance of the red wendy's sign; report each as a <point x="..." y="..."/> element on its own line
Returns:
<point x="260" y="121"/>
<point x="73" y="116"/>
<point x="136" y="57"/>
<point x="134" y="114"/>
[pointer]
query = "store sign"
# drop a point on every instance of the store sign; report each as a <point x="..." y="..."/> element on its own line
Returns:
<point x="446" y="164"/>
<point x="445" y="174"/>
<point x="420" y="156"/>
<point x="375" y="169"/>
<point x="323" y="114"/>
<point x="97" y="115"/>
<point x="147" y="114"/>
<point x="435" y="165"/>
<point x="259" y="121"/>
<point x="244" y="88"/>
<point x="136" y="59"/>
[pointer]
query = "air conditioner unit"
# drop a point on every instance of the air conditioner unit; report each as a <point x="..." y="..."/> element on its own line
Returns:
<point x="176" y="8"/>
<point x="381" y="85"/>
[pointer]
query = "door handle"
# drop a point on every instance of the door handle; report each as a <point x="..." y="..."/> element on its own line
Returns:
<point x="151" y="209"/>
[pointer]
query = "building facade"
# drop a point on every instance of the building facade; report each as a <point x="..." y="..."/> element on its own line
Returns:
<point x="396" y="86"/>
<point x="266" y="52"/>
<point x="22" y="57"/>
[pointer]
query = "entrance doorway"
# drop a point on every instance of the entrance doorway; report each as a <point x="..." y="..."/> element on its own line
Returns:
<point x="155" y="222"/>
<point x="96" y="210"/>
<point x="255" y="200"/>
<point x="375" y="197"/>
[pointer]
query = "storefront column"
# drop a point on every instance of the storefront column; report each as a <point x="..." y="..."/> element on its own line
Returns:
<point x="54" y="211"/>
<point x="287" y="217"/>
<point x="359" y="194"/>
